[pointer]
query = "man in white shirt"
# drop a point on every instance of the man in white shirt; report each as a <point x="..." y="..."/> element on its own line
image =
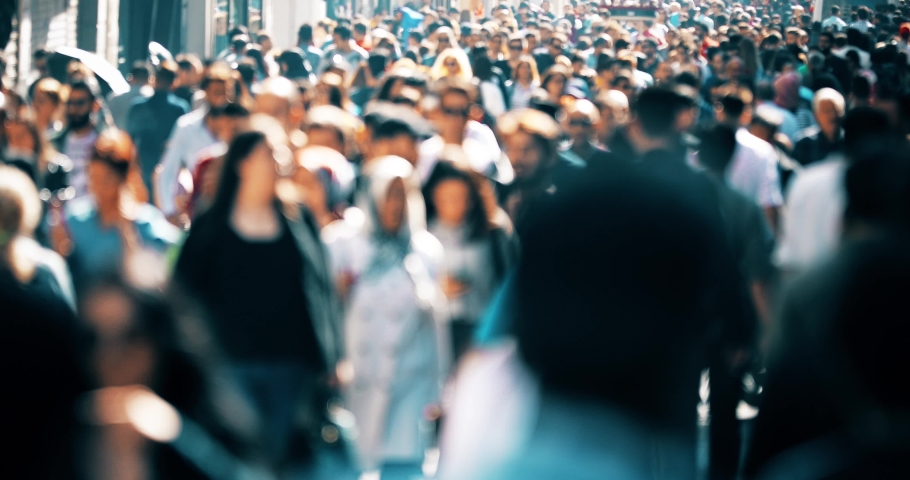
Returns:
<point x="77" y="140"/>
<point x="754" y="169"/>
<point x="834" y="22"/>
<point x="119" y="105"/>
<point x="863" y="24"/>
<point x="190" y="135"/>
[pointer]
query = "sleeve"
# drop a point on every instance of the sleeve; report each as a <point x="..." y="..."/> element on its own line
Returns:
<point x="171" y="163"/>
<point x="769" y="190"/>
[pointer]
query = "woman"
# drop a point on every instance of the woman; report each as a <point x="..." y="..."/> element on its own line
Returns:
<point x="492" y="93"/>
<point x="98" y="232"/>
<point x="452" y="62"/>
<point x="476" y="236"/>
<point x="27" y="149"/>
<point x="748" y="52"/>
<point x="525" y="80"/>
<point x="386" y="265"/>
<point x="330" y="91"/>
<point x="49" y="96"/>
<point x="24" y="264"/>
<point x="256" y="267"/>
<point x="554" y="82"/>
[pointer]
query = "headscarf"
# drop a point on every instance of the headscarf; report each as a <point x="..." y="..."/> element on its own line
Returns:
<point x="392" y="248"/>
<point x="786" y="91"/>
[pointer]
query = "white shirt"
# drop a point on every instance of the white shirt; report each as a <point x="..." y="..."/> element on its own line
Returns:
<point x="79" y="149"/>
<point x="754" y="170"/>
<point x="479" y="145"/>
<point x="812" y="221"/>
<point x="835" y="23"/>
<point x="861" y="25"/>
<point x="864" y="59"/>
<point x="190" y="135"/>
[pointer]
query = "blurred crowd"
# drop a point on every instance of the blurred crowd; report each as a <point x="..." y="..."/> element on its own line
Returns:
<point x="631" y="241"/>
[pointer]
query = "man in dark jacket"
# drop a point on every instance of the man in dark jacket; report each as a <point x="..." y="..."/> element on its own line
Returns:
<point x="151" y="120"/>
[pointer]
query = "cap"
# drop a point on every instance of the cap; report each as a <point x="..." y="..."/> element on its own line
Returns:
<point x="905" y="29"/>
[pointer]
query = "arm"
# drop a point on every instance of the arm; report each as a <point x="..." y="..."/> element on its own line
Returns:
<point x="168" y="170"/>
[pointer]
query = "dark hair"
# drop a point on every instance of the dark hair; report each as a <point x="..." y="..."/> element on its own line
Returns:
<point x="305" y="33"/>
<point x="378" y="61"/>
<point x="91" y="90"/>
<point x="718" y="143"/>
<point x="141" y="70"/>
<point x="41" y="53"/>
<point x="343" y="31"/>
<point x="240" y="149"/>
<point x="651" y="109"/>
<point x="166" y="73"/>
<point x="477" y="218"/>
<point x="483" y="68"/>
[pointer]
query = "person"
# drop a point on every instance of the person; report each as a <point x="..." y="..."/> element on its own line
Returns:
<point x="189" y="136"/>
<point x="811" y="230"/>
<point x="754" y="169"/>
<point x="326" y="181"/>
<point x="525" y="80"/>
<point x="862" y="24"/>
<point x="834" y="22"/>
<point x="46" y="103"/>
<point x="98" y="232"/>
<point x="363" y="84"/>
<point x="343" y="45"/>
<point x="151" y="120"/>
<point x="452" y="63"/>
<point x="311" y="53"/>
<point x="256" y="267"/>
<point x="554" y="82"/>
<point x="188" y="77"/>
<point x="224" y="122"/>
<point x="292" y="64"/>
<point x="399" y="355"/>
<point x="613" y="107"/>
<point x="406" y="20"/>
<point x="444" y="40"/>
<point x="477" y="239"/>
<point x="826" y="137"/>
<point x="40" y="58"/>
<point x="77" y="140"/>
<point x="547" y="59"/>
<point x="27" y="150"/>
<point x="36" y="270"/>
<point x="139" y="78"/>
<point x="491" y="90"/>
<point x="579" y="119"/>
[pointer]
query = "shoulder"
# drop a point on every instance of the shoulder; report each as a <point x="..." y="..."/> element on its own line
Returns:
<point x="755" y="145"/>
<point x="178" y="102"/>
<point x="80" y="210"/>
<point x="156" y="225"/>
<point x="191" y="119"/>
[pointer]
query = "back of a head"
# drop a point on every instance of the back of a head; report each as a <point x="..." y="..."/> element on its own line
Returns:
<point x="166" y="74"/>
<point x="604" y="300"/>
<point x="305" y="33"/>
<point x="718" y="143"/>
<point x="140" y="71"/>
<point x="863" y="127"/>
<point x="655" y="109"/>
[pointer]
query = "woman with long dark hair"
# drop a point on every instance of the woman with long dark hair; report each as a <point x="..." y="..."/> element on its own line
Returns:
<point x="256" y="266"/>
<point x="476" y="236"/>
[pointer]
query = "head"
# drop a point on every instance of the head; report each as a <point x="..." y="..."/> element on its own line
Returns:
<point x="622" y="82"/>
<point x="445" y="38"/>
<point x="24" y="141"/>
<point x="109" y="167"/>
<point x="280" y="99"/>
<point x="342" y="37"/>
<point x="715" y="152"/>
<point x="452" y="63"/>
<point x="80" y="105"/>
<point x="47" y="101"/>
<point x="140" y="74"/>
<point x="393" y="197"/>
<point x="734" y="106"/>
<point x="331" y="127"/>
<point x="556" y="45"/>
<point x="40" y="59"/>
<point x="166" y="76"/>
<point x="517" y="46"/>
<point x="555" y="81"/>
<point x="217" y="83"/>
<point x="529" y="140"/>
<point x="20" y="209"/>
<point x="455" y="102"/>
<point x="305" y="35"/>
<point x="226" y="120"/>
<point x="613" y="107"/>
<point x="580" y="118"/>
<point x="455" y="196"/>
<point x="826" y="42"/>
<point x="829" y="108"/>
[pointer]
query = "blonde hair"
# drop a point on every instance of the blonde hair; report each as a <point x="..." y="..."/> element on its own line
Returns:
<point x="439" y="71"/>
<point x="532" y="64"/>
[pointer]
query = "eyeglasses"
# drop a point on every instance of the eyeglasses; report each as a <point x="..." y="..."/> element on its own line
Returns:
<point x="515" y="47"/>
<point x="455" y="112"/>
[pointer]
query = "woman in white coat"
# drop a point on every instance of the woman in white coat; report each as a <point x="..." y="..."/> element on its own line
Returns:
<point x="396" y="340"/>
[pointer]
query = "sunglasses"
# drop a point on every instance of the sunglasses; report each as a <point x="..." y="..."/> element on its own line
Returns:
<point x="78" y="103"/>
<point x="455" y="112"/>
<point x="580" y="122"/>
<point x="443" y="40"/>
<point x="515" y="47"/>
<point x="451" y="64"/>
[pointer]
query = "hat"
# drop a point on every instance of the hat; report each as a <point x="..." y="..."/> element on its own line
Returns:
<point x="904" y="30"/>
<point x="381" y="115"/>
<point x="577" y="88"/>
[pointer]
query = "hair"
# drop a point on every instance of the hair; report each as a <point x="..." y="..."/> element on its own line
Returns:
<point x="829" y="95"/>
<point x="52" y="88"/>
<point x="651" y="109"/>
<point x="343" y="32"/>
<point x="718" y="143"/>
<point x="531" y="63"/>
<point x="90" y="89"/>
<point x="835" y="10"/>
<point x="44" y="150"/>
<point x="166" y="73"/>
<point x="552" y="73"/>
<point x="141" y="70"/>
<point x="305" y="33"/>
<point x="216" y="72"/>
<point x="438" y="70"/>
<point x="479" y="218"/>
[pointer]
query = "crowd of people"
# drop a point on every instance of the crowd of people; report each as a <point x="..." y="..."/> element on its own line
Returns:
<point x="469" y="245"/>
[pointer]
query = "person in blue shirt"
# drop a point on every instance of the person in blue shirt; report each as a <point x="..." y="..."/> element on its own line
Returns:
<point x="407" y="20"/>
<point x="151" y="120"/>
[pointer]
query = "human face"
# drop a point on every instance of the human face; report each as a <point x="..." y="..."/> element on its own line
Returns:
<point x="495" y="44"/>
<point x="325" y="137"/>
<point x="451" y="66"/>
<point x="392" y="215"/>
<point x="19" y="137"/>
<point x="524" y="154"/>
<point x="104" y="184"/>
<point x="579" y="127"/>
<point x="717" y="63"/>
<point x="45" y="108"/>
<point x="258" y="173"/>
<point x="216" y="93"/>
<point x="663" y="72"/>
<point x="452" y="200"/>
<point x="119" y="357"/>
<point x="792" y="38"/>
<point x="515" y="48"/>
<point x="556" y="86"/>
<point x="648" y="49"/>
<point x="625" y="87"/>
<point x="454" y="110"/>
<point x="556" y="47"/>
<point x="523" y="72"/>
<point x="532" y="42"/>
<point x="824" y="43"/>
<point x="79" y="109"/>
<point x="828" y="118"/>
<point x="265" y="44"/>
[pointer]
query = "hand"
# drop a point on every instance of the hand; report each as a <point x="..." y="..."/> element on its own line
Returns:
<point x="60" y="236"/>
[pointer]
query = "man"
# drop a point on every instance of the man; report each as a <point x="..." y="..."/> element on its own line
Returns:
<point x="312" y="54"/>
<point x="187" y="86"/>
<point x="766" y="123"/>
<point x="581" y="116"/>
<point x="613" y="107"/>
<point x="754" y="169"/>
<point x="139" y="78"/>
<point x="764" y="96"/>
<point x="862" y="24"/>
<point x="445" y="39"/>
<point x="555" y="46"/>
<point x="190" y="135"/>
<point x="826" y="137"/>
<point x="343" y="46"/>
<point x="452" y="120"/>
<point x="280" y="99"/>
<point x="151" y="120"/>
<point x="834" y="23"/>
<point x="39" y="58"/>
<point x="77" y="140"/>
<point x="405" y="21"/>
<point x="360" y="35"/>
<point x="649" y="50"/>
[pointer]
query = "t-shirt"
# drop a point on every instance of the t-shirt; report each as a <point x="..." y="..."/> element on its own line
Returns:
<point x="79" y="149"/>
<point x="754" y="170"/>
<point x="257" y="307"/>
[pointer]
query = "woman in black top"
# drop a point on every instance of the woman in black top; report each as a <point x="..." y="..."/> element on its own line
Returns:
<point x="258" y="269"/>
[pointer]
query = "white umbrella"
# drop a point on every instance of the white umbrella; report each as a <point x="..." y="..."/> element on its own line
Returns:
<point x="101" y="68"/>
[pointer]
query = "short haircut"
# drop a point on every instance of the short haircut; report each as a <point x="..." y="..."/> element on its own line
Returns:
<point x="360" y="28"/>
<point x="305" y="33"/>
<point x="718" y="143"/>
<point x="455" y="86"/>
<point x="651" y="108"/>
<point x="41" y="54"/>
<point x="167" y="72"/>
<point x="141" y="70"/>
<point x="343" y="32"/>
<point x="84" y="86"/>
<point x="231" y="110"/>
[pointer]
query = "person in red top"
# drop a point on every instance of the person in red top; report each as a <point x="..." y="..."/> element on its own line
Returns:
<point x="225" y="122"/>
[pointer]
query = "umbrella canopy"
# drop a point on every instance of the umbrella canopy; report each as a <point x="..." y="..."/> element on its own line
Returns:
<point x="109" y="78"/>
